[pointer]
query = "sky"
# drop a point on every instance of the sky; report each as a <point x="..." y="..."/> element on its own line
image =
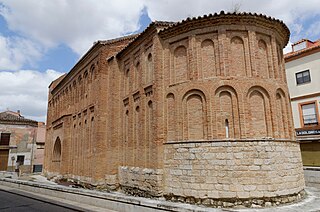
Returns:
<point x="40" y="40"/>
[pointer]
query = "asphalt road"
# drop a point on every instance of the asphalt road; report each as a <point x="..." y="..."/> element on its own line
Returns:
<point x="13" y="202"/>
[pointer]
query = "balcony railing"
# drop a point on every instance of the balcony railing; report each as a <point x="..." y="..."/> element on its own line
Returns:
<point x="310" y="119"/>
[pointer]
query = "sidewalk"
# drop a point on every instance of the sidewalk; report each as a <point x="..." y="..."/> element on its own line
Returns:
<point x="310" y="203"/>
<point x="92" y="200"/>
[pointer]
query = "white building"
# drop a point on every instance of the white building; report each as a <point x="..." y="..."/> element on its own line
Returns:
<point x="21" y="142"/>
<point x="303" y="76"/>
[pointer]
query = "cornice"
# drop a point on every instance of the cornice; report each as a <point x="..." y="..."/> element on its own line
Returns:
<point x="151" y="29"/>
<point x="7" y="118"/>
<point x="227" y="19"/>
<point x="94" y="49"/>
<point x="96" y="46"/>
<point x="61" y="118"/>
<point x="302" y="53"/>
<point x="29" y="123"/>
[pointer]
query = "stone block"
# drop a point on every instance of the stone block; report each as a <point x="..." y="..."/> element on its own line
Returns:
<point x="160" y="105"/>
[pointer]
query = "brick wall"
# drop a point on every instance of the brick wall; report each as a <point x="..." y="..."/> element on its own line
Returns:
<point x="217" y="78"/>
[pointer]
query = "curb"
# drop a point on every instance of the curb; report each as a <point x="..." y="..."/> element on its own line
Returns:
<point x="112" y="201"/>
<point x="42" y="199"/>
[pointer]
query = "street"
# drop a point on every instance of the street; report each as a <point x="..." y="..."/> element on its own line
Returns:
<point x="14" y="202"/>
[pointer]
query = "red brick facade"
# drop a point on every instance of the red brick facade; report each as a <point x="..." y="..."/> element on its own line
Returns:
<point x="130" y="110"/>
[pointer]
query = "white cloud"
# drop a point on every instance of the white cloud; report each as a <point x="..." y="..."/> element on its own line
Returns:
<point x="41" y="25"/>
<point x="294" y="14"/>
<point x="17" y="51"/>
<point x="76" y="23"/>
<point x="180" y="9"/>
<point x="288" y="48"/>
<point x="26" y="90"/>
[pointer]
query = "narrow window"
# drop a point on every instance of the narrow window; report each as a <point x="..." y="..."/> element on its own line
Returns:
<point x="137" y="75"/>
<point x="309" y="114"/>
<point x="227" y="128"/>
<point x="303" y="77"/>
<point x="126" y="126"/>
<point x="20" y="159"/>
<point x="57" y="151"/>
<point x="149" y="74"/>
<point x="5" y="139"/>
<point x="127" y="82"/>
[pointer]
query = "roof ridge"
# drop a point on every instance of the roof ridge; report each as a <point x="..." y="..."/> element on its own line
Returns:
<point x="163" y="22"/>
<point x="153" y="23"/>
<point x="230" y="13"/>
<point x="301" y="51"/>
<point x="118" y="39"/>
<point x="223" y="13"/>
<point x="5" y="116"/>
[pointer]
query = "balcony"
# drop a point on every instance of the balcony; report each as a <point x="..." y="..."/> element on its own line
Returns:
<point x="310" y="119"/>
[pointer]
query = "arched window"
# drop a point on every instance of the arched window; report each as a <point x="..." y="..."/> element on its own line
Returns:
<point x="171" y="118"/>
<point x="238" y="64"/>
<point x="281" y="115"/>
<point x="137" y="127"/>
<point x="180" y="64"/>
<point x="262" y="59"/>
<point x="92" y="71"/>
<point x="57" y="151"/>
<point x="149" y="74"/>
<point x="208" y="59"/>
<point x="258" y="106"/>
<point x="127" y="81"/>
<point x="137" y="75"/>
<point x="227" y="114"/>
<point x="126" y="126"/>
<point x="227" y="128"/>
<point x="85" y="74"/>
<point x="280" y="62"/>
<point x="194" y="120"/>
<point x="150" y="122"/>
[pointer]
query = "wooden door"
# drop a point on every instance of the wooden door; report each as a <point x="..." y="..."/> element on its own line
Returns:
<point x="4" y="154"/>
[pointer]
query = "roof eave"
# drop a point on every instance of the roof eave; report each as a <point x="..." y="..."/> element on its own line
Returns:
<point x="302" y="53"/>
<point x="74" y="68"/>
<point x="149" y="30"/>
<point x="166" y="32"/>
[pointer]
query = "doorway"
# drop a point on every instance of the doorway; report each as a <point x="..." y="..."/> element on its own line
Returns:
<point x="4" y="154"/>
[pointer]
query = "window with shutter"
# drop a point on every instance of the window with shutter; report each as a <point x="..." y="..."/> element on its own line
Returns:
<point x="309" y="114"/>
<point x="5" y="139"/>
<point x="303" y="77"/>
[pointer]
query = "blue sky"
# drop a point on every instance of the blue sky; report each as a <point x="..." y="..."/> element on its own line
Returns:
<point x="41" y="39"/>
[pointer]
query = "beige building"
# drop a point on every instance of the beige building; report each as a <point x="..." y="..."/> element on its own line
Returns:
<point x="195" y="111"/>
<point x="303" y="76"/>
<point x="21" y="142"/>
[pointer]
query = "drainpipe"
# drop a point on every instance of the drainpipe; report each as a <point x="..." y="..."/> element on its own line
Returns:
<point x="32" y="147"/>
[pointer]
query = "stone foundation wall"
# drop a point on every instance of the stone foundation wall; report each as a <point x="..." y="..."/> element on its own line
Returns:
<point x="78" y="179"/>
<point x="112" y="182"/>
<point x="241" y="170"/>
<point x="141" y="181"/>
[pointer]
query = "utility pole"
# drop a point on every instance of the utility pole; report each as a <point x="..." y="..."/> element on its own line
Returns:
<point x="32" y="148"/>
<point x="12" y="163"/>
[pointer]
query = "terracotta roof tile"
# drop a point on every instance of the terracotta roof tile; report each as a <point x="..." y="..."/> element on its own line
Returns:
<point x="312" y="46"/>
<point x="151" y="25"/>
<point x="7" y="117"/>
<point x="228" y="14"/>
<point x="111" y="41"/>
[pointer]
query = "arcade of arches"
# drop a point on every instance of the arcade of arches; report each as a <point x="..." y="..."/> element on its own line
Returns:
<point x="197" y="109"/>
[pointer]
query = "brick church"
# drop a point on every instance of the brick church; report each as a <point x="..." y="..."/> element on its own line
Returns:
<point x="195" y="111"/>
